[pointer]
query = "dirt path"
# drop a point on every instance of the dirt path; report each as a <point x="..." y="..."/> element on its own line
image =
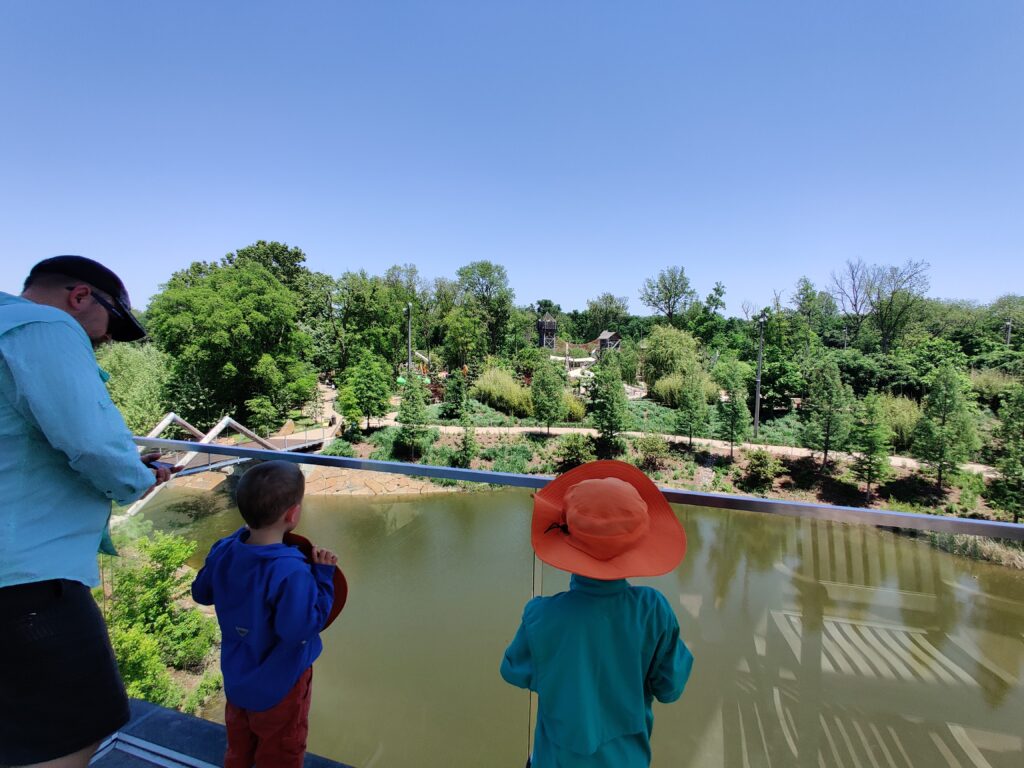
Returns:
<point x="718" y="446"/>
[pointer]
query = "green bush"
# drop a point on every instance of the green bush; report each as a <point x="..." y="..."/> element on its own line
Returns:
<point x="574" y="449"/>
<point x="991" y="386"/>
<point x="902" y="415"/>
<point x="498" y="388"/>
<point x="652" y="452"/>
<point x="339" y="447"/>
<point x="384" y="444"/>
<point x="509" y="457"/>
<point x="784" y="430"/>
<point x="667" y="389"/>
<point x="762" y="469"/>
<point x="142" y="666"/>
<point x="187" y="639"/>
<point x="210" y="683"/>
<point x="575" y="409"/>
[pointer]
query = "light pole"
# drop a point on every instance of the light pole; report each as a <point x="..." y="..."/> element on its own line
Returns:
<point x="408" y="310"/>
<point x="1009" y="327"/>
<point x="757" y="381"/>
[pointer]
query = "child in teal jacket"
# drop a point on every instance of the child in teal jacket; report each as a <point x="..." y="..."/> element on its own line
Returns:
<point x="599" y="654"/>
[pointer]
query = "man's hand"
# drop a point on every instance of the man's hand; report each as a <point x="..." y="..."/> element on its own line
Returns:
<point x="161" y="472"/>
<point x="324" y="556"/>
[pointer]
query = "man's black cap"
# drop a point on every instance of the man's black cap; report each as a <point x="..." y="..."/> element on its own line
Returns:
<point x="123" y="328"/>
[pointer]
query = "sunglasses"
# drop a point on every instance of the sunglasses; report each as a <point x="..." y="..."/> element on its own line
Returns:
<point x="111" y="309"/>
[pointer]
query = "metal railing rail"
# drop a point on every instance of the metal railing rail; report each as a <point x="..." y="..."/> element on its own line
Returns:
<point x="880" y="518"/>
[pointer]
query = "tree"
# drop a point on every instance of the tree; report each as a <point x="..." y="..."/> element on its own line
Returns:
<point x="465" y="452"/>
<point x="369" y="382"/>
<point x="465" y="339"/>
<point x="692" y="412"/>
<point x="412" y="416"/>
<point x="1009" y="486"/>
<point x="825" y="415"/>
<point x="871" y="442"/>
<point x="670" y="293"/>
<point x="669" y="350"/>
<point x="850" y="288"/>
<point x="608" y="408"/>
<point x="284" y="263"/>
<point x="454" y="404"/>
<point x="138" y="377"/>
<point x="605" y="313"/>
<point x="546" y="390"/>
<point x="894" y="294"/>
<point x="484" y="286"/>
<point x="230" y="331"/>
<point x="733" y="414"/>
<point x="945" y="435"/>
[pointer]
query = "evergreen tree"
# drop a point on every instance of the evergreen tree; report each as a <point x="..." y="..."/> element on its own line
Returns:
<point x="825" y="415"/>
<point x="412" y="416"/>
<point x="692" y="413"/>
<point x="454" y="404"/>
<point x="467" y="448"/>
<point x="945" y="435"/>
<point x="1009" y="487"/>
<point x="733" y="414"/>
<point x="871" y="441"/>
<point x="369" y="382"/>
<point x="546" y="390"/>
<point x="608" y="408"/>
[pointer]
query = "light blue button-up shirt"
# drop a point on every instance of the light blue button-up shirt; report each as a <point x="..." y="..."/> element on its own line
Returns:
<point x="65" y="451"/>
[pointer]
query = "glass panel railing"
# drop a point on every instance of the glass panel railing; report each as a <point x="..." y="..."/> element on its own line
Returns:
<point x="817" y="643"/>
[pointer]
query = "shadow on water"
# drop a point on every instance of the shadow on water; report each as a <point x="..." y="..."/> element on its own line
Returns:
<point x="816" y="643"/>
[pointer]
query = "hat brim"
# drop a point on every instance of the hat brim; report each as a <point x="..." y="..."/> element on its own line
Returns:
<point x="127" y="328"/>
<point x="305" y="546"/>
<point x="657" y="553"/>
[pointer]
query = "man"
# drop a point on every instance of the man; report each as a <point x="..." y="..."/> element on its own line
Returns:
<point x="65" y="453"/>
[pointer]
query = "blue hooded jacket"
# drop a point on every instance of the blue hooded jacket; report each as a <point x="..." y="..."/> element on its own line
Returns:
<point x="271" y="605"/>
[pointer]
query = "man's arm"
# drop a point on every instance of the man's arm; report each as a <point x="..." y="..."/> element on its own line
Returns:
<point x="58" y="388"/>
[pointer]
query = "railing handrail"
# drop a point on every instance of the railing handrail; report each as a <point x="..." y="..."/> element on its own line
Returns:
<point x="875" y="517"/>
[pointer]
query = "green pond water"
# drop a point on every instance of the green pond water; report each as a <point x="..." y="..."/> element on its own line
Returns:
<point x="816" y="644"/>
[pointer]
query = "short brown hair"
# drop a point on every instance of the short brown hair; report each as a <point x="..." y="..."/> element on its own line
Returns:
<point x="267" y="490"/>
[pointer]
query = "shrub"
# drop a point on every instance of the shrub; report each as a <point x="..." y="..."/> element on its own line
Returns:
<point x="338" y="447"/>
<point x="187" y="639"/>
<point x="668" y="389"/>
<point x="991" y="386"/>
<point x="575" y="410"/>
<point x="652" y="452"/>
<point x="762" y="468"/>
<point x="902" y="415"/>
<point x="572" y="450"/>
<point x="509" y="457"/>
<point x="499" y="389"/>
<point x="142" y="666"/>
<point x="210" y="683"/>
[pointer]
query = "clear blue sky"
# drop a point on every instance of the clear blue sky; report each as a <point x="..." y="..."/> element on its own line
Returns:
<point x="584" y="144"/>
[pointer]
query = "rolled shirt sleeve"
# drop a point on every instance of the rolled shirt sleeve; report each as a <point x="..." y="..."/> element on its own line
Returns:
<point x="517" y="665"/>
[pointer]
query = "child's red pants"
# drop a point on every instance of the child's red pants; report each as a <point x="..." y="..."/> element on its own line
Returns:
<point x="273" y="738"/>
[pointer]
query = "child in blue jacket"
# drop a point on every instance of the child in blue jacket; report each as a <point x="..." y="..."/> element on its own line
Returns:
<point x="271" y="605"/>
<point x="599" y="654"/>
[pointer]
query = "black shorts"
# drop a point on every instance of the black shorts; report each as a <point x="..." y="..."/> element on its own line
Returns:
<point x="60" y="690"/>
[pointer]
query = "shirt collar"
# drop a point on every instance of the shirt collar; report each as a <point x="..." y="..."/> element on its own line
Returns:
<point x="596" y="586"/>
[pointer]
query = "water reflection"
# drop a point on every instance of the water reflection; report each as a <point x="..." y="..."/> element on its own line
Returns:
<point x="817" y="644"/>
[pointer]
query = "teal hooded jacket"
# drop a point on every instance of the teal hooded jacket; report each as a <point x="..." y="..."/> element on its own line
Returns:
<point x="597" y="656"/>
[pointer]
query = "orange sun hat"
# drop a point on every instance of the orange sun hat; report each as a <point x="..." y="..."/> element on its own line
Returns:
<point x="305" y="546"/>
<point x="606" y="520"/>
